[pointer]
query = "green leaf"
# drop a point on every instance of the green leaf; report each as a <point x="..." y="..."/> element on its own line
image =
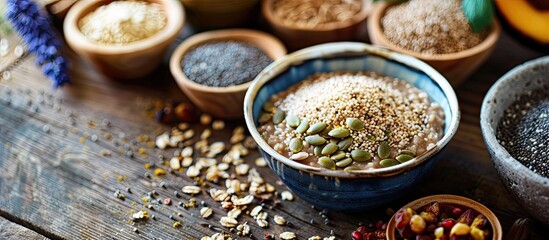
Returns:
<point x="479" y="13"/>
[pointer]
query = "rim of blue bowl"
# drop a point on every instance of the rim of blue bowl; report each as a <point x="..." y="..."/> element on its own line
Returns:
<point x="489" y="133"/>
<point x="341" y="49"/>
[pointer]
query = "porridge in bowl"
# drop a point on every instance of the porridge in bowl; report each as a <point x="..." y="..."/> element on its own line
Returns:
<point x="351" y="121"/>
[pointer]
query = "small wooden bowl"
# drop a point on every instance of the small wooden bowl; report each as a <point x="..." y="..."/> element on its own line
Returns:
<point x="296" y="37"/>
<point x="497" y="233"/>
<point x="456" y="67"/>
<point x="211" y="14"/>
<point x="224" y="102"/>
<point x="128" y="61"/>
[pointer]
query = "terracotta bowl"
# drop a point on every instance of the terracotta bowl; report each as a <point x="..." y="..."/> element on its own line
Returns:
<point x="338" y="189"/>
<point x="528" y="188"/>
<point x="456" y="67"/>
<point x="224" y="102"/>
<point x="296" y="37"/>
<point x="497" y="233"/>
<point x="210" y="14"/>
<point x="127" y="61"/>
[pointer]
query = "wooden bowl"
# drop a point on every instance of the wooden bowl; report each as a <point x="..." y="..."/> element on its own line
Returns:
<point x="297" y="37"/>
<point x="128" y="61"/>
<point x="210" y="14"/>
<point x="224" y="102"/>
<point x="497" y="233"/>
<point x="456" y="67"/>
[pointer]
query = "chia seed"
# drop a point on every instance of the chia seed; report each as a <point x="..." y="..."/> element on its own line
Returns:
<point x="223" y="64"/>
<point x="523" y="131"/>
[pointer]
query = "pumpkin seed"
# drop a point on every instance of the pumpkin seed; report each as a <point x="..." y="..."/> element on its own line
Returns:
<point x="296" y="144"/>
<point x="344" y="144"/>
<point x="388" y="162"/>
<point x="326" y="162"/>
<point x="404" y="157"/>
<point x="303" y="126"/>
<point x="338" y="155"/>
<point x="339" y="133"/>
<point x="316" y="128"/>
<point x="383" y="150"/>
<point x="345" y="162"/>
<point x="279" y="115"/>
<point x="299" y="156"/>
<point x="315" y="140"/>
<point x="318" y="150"/>
<point x="408" y="152"/>
<point x="351" y="168"/>
<point x="268" y="107"/>
<point x="354" y="124"/>
<point x="292" y="121"/>
<point x="360" y="155"/>
<point x="264" y="118"/>
<point x="334" y="140"/>
<point x="326" y="130"/>
<point x="329" y="149"/>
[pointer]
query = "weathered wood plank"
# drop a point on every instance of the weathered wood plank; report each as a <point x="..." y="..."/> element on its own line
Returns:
<point x="56" y="179"/>
<point x="10" y="230"/>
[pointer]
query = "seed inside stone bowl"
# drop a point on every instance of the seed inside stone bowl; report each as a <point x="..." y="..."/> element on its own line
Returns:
<point x="352" y="121"/>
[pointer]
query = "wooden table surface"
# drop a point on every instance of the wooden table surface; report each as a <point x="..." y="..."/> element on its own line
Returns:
<point x="56" y="182"/>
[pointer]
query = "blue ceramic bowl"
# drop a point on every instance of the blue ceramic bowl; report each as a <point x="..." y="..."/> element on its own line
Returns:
<point x="336" y="189"/>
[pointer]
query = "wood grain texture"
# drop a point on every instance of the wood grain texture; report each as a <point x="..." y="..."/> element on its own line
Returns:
<point x="10" y="230"/>
<point x="55" y="181"/>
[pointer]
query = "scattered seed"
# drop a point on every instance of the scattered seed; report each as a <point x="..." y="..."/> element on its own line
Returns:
<point x="404" y="158"/>
<point x="286" y="196"/>
<point x="260" y="162"/>
<point x="339" y="133"/>
<point x="326" y="162"/>
<point x="354" y="124"/>
<point x="344" y="144"/>
<point x="299" y="156"/>
<point x="338" y="155"/>
<point x="360" y="155"/>
<point x="315" y="140"/>
<point x="292" y="121"/>
<point x="268" y="107"/>
<point x="318" y="150"/>
<point x="262" y="223"/>
<point x="303" y="126"/>
<point x="345" y="162"/>
<point x="316" y="128"/>
<point x="46" y="128"/>
<point x="384" y="150"/>
<point x="174" y="163"/>
<point x="256" y="210"/>
<point x="329" y="149"/>
<point x="279" y="220"/>
<point x="388" y="162"/>
<point x="264" y="118"/>
<point x="228" y="222"/>
<point x="408" y="152"/>
<point x="205" y="119"/>
<point x="287" y="235"/>
<point x="279" y="115"/>
<point x="218" y="125"/>
<point x="296" y="144"/>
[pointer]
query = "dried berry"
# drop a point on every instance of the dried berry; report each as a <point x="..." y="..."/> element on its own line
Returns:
<point x="433" y="208"/>
<point x="466" y="217"/>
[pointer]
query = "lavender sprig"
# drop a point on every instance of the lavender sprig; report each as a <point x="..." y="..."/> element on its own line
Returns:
<point x="34" y="27"/>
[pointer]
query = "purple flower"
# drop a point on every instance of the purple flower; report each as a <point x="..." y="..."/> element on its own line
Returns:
<point x="34" y="27"/>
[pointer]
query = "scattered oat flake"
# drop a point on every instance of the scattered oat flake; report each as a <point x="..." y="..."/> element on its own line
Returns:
<point x="279" y="220"/>
<point x="193" y="171"/>
<point x="205" y="212"/>
<point x="315" y="238"/>
<point x="287" y="196"/>
<point x="174" y="163"/>
<point x="262" y="223"/>
<point x="228" y="222"/>
<point x="260" y="162"/>
<point x="256" y="210"/>
<point x="242" y="169"/>
<point x="287" y="235"/>
<point x="191" y="189"/>
<point x="234" y="213"/>
<point x="242" y="201"/>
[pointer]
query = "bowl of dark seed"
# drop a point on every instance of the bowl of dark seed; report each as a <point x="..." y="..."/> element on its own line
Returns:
<point x="215" y="68"/>
<point x="514" y="121"/>
<point x="436" y="32"/>
<point x="123" y="39"/>
<point x="348" y="125"/>
<point x="303" y="23"/>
